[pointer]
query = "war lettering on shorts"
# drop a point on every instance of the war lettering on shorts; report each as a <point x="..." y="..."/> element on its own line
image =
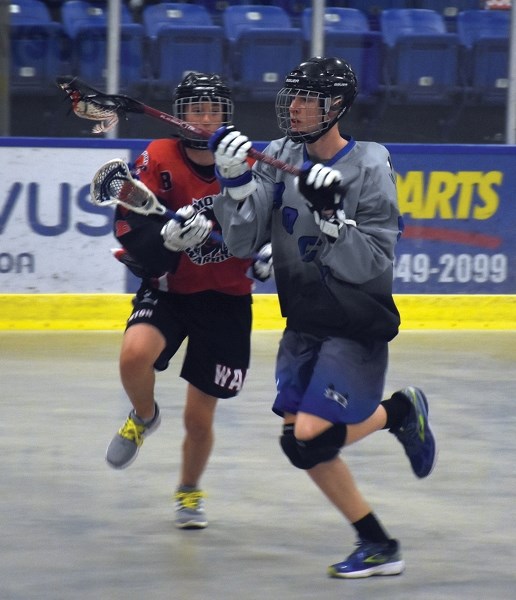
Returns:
<point x="231" y="379"/>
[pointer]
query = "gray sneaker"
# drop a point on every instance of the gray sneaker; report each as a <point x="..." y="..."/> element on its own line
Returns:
<point x="124" y="447"/>
<point x="189" y="506"/>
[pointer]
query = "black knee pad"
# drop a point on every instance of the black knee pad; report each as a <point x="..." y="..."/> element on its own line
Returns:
<point x="289" y="446"/>
<point x="305" y="454"/>
<point x="323" y="447"/>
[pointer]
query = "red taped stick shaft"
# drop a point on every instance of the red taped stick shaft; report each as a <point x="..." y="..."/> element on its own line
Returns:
<point x="253" y="153"/>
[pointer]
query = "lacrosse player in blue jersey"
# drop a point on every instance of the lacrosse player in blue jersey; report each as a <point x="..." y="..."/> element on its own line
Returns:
<point x="334" y="229"/>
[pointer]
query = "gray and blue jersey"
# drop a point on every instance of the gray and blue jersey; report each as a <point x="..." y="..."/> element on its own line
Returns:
<point x="341" y="288"/>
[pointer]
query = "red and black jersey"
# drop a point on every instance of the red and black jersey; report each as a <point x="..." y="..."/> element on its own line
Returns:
<point x="165" y="169"/>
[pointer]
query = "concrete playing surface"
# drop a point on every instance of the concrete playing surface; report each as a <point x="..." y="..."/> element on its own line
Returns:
<point x="73" y="529"/>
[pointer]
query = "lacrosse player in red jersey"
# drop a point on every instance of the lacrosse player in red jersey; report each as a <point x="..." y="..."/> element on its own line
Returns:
<point x="192" y="288"/>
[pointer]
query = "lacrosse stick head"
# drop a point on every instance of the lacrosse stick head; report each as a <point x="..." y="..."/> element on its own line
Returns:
<point x="89" y="103"/>
<point x="114" y="184"/>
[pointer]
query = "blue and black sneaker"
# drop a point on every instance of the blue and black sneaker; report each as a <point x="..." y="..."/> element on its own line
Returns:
<point x="415" y="434"/>
<point x="370" y="558"/>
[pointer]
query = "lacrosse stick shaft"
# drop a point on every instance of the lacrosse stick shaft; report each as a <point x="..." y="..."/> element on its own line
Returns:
<point x="253" y="153"/>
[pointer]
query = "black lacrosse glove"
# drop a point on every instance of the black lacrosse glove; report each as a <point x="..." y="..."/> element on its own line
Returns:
<point x="319" y="185"/>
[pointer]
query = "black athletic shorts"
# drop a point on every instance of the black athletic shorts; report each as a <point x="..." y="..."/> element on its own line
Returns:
<point x="218" y="328"/>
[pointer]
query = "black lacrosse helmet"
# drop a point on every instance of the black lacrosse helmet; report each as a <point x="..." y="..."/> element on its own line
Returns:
<point x="198" y="87"/>
<point x="331" y="80"/>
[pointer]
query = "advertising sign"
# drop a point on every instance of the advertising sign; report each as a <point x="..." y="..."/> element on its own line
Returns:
<point x="458" y="206"/>
<point x="459" y="210"/>
<point x="52" y="239"/>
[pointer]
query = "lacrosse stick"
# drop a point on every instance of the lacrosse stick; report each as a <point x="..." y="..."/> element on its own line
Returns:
<point x="89" y="103"/>
<point x="113" y="184"/>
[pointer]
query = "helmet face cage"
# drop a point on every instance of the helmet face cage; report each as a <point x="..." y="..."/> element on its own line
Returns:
<point x="316" y="95"/>
<point x="207" y="97"/>
<point x="316" y="109"/>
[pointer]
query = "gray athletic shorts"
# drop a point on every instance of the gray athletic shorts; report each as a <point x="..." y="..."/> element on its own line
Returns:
<point x="337" y="379"/>
<point x="218" y="329"/>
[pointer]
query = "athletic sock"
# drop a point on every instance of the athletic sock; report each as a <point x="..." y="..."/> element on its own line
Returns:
<point x="187" y="488"/>
<point x="370" y="529"/>
<point x="397" y="408"/>
<point x="147" y="421"/>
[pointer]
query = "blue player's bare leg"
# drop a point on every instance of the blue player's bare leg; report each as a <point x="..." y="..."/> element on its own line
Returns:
<point x="309" y="426"/>
<point x="334" y="477"/>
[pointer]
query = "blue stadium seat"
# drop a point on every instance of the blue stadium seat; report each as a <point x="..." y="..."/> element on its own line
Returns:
<point x="422" y="58"/>
<point x="347" y="35"/>
<point x="178" y="14"/>
<point x="86" y="23"/>
<point x="216" y="8"/>
<point x="263" y="47"/>
<point x="484" y="36"/>
<point x="36" y="47"/>
<point x="373" y="8"/>
<point x="295" y="8"/>
<point x="449" y="9"/>
<point x="183" y="38"/>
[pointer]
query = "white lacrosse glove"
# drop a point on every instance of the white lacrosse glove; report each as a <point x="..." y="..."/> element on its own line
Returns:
<point x="262" y="266"/>
<point x="192" y="231"/>
<point x="331" y="226"/>
<point x="230" y="149"/>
